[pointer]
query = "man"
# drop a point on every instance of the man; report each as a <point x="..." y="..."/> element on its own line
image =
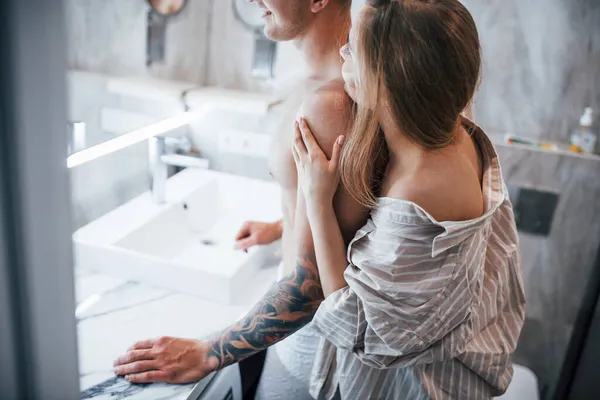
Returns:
<point x="318" y="28"/>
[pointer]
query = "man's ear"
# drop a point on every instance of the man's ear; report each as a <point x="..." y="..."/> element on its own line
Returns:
<point x="318" y="5"/>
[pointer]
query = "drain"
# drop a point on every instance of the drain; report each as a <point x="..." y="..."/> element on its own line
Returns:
<point x="208" y="242"/>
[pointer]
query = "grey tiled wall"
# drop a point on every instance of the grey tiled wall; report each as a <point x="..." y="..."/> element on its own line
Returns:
<point x="109" y="36"/>
<point x="556" y="268"/>
<point x="542" y="64"/>
<point x="204" y="44"/>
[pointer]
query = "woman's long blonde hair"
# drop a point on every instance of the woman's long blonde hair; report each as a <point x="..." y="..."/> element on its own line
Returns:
<point x="424" y="58"/>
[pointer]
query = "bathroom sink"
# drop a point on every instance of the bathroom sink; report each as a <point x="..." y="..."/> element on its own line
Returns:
<point x="186" y="244"/>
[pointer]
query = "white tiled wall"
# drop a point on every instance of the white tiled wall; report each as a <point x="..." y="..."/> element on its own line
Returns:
<point x="117" y="121"/>
<point x="209" y="136"/>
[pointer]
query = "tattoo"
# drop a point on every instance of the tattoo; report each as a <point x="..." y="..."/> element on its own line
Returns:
<point x="289" y="305"/>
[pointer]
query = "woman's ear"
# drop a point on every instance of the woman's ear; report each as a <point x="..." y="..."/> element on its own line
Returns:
<point x="318" y="5"/>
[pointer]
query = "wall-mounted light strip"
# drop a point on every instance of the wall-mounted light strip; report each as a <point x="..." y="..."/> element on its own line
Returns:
<point x="131" y="138"/>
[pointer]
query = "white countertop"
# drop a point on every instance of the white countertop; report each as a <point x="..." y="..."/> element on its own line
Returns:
<point x="129" y="311"/>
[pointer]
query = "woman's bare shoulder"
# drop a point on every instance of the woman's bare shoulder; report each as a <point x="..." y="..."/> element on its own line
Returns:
<point x="448" y="194"/>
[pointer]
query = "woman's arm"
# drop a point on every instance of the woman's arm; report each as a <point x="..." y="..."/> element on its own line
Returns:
<point x="329" y="113"/>
<point x="318" y="184"/>
<point x="330" y="249"/>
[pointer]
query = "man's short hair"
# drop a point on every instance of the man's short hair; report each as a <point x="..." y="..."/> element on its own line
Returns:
<point x="345" y="3"/>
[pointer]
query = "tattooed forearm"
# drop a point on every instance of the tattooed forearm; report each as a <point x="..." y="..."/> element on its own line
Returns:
<point x="289" y="305"/>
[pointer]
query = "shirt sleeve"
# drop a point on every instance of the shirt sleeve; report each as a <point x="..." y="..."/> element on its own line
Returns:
<point x="401" y="303"/>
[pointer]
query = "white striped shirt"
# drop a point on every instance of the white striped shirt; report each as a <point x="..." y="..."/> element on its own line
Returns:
<point x="432" y="310"/>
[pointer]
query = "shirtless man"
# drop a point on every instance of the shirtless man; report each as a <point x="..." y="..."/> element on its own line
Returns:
<point x="319" y="28"/>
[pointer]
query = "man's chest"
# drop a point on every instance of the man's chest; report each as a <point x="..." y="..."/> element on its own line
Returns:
<point x="281" y="161"/>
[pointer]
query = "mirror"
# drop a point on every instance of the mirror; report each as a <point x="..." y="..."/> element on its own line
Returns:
<point x="167" y="8"/>
<point x="249" y="14"/>
<point x="101" y="105"/>
<point x="252" y="17"/>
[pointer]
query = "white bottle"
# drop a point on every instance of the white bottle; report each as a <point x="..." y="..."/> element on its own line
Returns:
<point x="586" y="137"/>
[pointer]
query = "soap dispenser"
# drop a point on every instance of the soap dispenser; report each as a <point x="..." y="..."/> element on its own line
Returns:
<point x="585" y="138"/>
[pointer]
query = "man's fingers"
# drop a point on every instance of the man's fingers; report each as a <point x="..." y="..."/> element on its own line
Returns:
<point x="144" y="344"/>
<point x="134" y="355"/>
<point x="148" y="377"/>
<point x="136" y="367"/>
<point x="337" y="151"/>
<point x="244" y="231"/>
<point x="245" y="244"/>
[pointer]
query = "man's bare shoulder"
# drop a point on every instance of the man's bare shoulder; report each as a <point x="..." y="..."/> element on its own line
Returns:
<point x="328" y="101"/>
<point x="328" y="111"/>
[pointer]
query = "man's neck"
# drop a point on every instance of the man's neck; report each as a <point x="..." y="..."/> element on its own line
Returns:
<point x="320" y="45"/>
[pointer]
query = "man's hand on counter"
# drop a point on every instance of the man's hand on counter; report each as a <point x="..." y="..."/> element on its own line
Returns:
<point x="289" y="305"/>
<point x="253" y="233"/>
<point x="166" y="359"/>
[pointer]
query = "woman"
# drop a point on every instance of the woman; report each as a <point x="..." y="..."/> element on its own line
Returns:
<point x="431" y="303"/>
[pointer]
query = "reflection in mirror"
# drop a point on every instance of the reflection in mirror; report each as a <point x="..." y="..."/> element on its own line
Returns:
<point x="167" y="8"/>
<point x="103" y="104"/>
<point x="265" y="50"/>
<point x="162" y="10"/>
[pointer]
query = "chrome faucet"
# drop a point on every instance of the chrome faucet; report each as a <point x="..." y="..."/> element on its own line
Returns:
<point x="169" y="151"/>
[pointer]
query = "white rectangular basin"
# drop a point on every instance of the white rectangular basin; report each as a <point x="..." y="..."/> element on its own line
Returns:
<point x="186" y="244"/>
